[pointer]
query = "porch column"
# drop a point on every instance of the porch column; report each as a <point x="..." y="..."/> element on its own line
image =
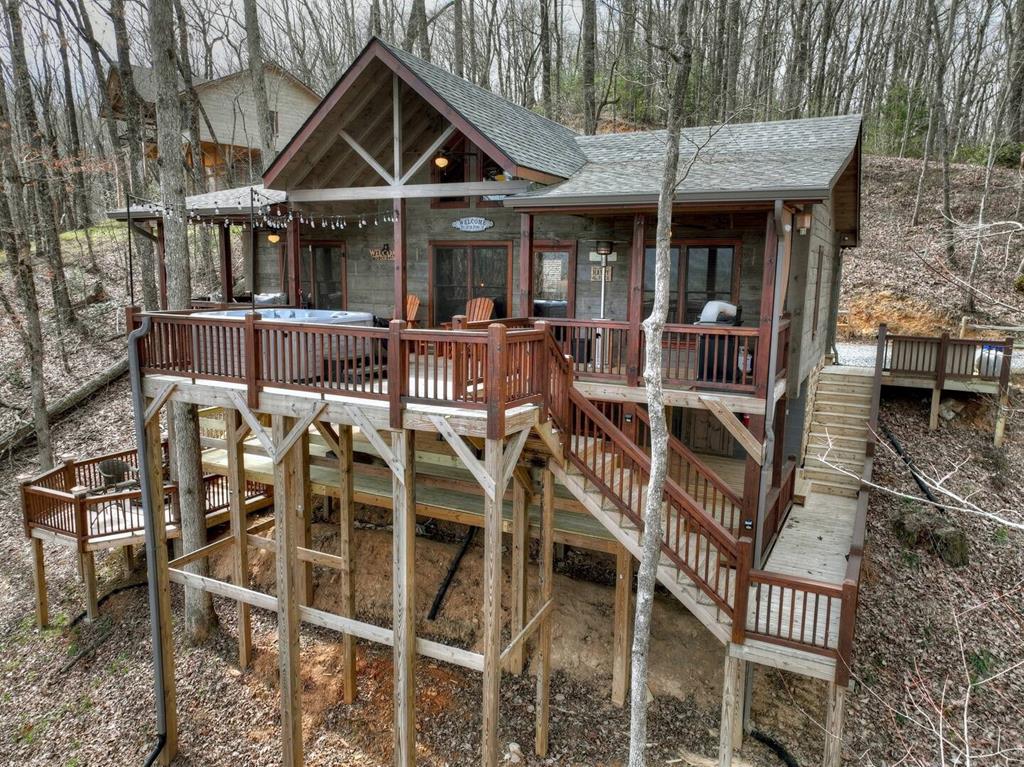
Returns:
<point x="224" y="251"/>
<point x="401" y="276"/>
<point x="526" y="264"/>
<point x="161" y="264"/>
<point x="635" y="308"/>
<point x="293" y="237"/>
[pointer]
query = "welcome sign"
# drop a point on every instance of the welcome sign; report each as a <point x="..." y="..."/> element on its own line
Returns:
<point x="472" y="224"/>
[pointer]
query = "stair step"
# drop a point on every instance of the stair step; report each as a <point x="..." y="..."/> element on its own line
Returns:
<point x="837" y="490"/>
<point x="853" y="407"/>
<point x="815" y="462"/>
<point x="840" y="418"/>
<point x="836" y="454"/>
<point x="831" y="477"/>
<point x="833" y="429"/>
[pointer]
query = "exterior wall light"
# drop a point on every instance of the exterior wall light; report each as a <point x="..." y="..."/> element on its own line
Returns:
<point x="273" y="238"/>
<point x="441" y="161"/>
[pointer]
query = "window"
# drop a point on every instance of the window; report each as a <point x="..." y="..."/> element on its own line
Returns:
<point x="274" y="126"/>
<point x="709" y="272"/>
<point x="455" y="171"/>
<point x="553" y="285"/>
<point x="465" y="270"/>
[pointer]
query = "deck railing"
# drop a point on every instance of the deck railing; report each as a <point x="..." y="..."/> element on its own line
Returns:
<point x="492" y="369"/>
<point x="74" y="500"/>
<point x="942" y="358"/>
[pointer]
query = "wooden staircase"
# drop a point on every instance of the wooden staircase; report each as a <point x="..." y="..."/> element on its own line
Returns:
<point x="838" y="432"/>
<point x="608" y="473"/>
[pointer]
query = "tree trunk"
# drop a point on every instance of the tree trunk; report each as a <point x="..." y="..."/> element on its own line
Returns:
<point x="259" y="83"/>
<point x="81" y="207"/>
<point x="48" y="240"/>
<point x="647" y="574"/>
<point x="545" y="58"/>
<point x="459" y="40"/>
<point x="588" y="66"/>
<point x="199" y="615"/>
<point x="19" y="261"/>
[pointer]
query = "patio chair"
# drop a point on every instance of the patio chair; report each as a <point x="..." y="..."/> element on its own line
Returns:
<point x="114" y="471"/>
<point x="412" y="307"/>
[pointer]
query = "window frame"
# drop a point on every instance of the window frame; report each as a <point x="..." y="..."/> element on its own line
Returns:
<point x="684" y="245"/>
<point x="433" y="245"/>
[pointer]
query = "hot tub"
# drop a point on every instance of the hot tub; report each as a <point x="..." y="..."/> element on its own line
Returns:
<point x="286" y="357"/>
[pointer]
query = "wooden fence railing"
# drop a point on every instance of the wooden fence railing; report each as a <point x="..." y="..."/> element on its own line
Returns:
<point x="942" y="358"/>
<point x="76" y="501"/>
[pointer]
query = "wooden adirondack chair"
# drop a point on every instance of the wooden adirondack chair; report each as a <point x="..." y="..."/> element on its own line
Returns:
<point x="412" y="306"/>
<point x="479" y="309"/>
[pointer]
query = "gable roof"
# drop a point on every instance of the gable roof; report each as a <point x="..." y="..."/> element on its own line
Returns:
<point x="787" y="159"/>
<point x="523" y="141"/>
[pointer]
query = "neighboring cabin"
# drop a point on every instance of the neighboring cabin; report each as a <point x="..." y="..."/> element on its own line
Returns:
<point x="228" y="127"/>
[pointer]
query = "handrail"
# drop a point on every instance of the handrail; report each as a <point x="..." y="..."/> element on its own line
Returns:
<point x="704" y="472"/>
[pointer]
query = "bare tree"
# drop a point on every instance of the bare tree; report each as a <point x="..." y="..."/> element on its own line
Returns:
<point x="199" y="615"/>
<point x="257" y="76"/>
<point x="654" y="325"/>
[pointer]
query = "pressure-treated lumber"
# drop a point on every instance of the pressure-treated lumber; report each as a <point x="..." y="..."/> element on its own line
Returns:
<point x="520" y="550"/>
<point x="39" y="579"/>
<point x="346" y="539"/>
<point x="623" y="625"/>
<point x="546" y="583"/>
<point x="236" y="498"/>
<point x="88" y="562"/>
<point x="835" y="711"/>
<point x="154" y="468"/>
<point x="404" y="595"/>
<point x="288" y="476"/>
<point x="494" y="463"/>
<point x="732" y="700"/>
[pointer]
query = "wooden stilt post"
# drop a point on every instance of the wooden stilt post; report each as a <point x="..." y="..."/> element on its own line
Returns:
<point x="623" y="625"/>
<point x="732" y="699"/>
<point x="92" y="609"/>
<point x="288" y="474"/>
<point x="403" y="563"/>
<point x="933" y="416"/>
<point x="835" y="709"/>
<point x="154" y="467"/>
<point x="300" y="503"/>
<point x="39" y="577"/>
<point x="493" y="463"/>
<point x="547" y="536"/>
<point x="520" y="550"/>
<point x="236" y="500"/>
<point x="346" y="515"/>
<point x="1003" y="399"/>
<point x="739" y="708"/>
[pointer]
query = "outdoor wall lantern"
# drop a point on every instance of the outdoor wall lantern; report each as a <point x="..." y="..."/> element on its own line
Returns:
<point x="441" y="161"/>
<point x="273" y="238"/>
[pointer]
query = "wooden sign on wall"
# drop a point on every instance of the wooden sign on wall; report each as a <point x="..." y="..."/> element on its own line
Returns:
<point x="597" y="272"/>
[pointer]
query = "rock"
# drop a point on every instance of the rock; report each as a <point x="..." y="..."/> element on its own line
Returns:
<point x="950" y="543"/>
<point x="914" y="527"/>
<point x="96" y="294"/>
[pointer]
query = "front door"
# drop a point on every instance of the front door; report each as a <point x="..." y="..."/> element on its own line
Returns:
<point x="323" y="275"/>
<point x="462" y="271"/>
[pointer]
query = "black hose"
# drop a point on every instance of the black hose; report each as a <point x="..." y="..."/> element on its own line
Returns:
<point x="774" y="745"/>
<point x="127" y="587"/>
<point x="910" y="465"/>
<point x="161" y="741"/>
<point x="452" y="568"/>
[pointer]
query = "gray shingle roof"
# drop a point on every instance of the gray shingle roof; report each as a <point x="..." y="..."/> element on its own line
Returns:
<point x="789" y="158"/>
<point x="528" y="139"/>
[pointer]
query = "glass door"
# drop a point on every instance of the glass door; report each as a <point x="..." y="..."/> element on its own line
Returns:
<point x="709" y="277"/>
<point x="463" y="272"/>
<point x="323" y="276"/>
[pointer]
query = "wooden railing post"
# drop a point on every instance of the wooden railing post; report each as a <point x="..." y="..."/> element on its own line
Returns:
<point x="459" y="322"/>
<point x="940" y="363"/>
<point x="876" y="389"/>
<point x="496" y="380"/>
<point x="398" y="377"/>
<point x="540" y="368"/>
<point x="68" y="471"/>
<point x="252" y="361"/>
<point x="844" y="645"/>
<point x="744" y="561"/>
<point x="81" y="520"/>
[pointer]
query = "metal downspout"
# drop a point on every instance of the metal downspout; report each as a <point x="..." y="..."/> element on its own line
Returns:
<point x="149" y="518"/>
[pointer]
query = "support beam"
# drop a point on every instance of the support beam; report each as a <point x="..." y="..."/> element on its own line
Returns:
<point x="367" y="157"/>
<point x="634" y="307"/>
<point x="526" y="265"/>
<point x="835" y="712"/>
<point x="39" y="579"/>
<point x="520" y="552"/>
<point x="732" y="699"/>
<point x="396" y="126"/>
<point x="154" y="468"/>
<point x="933" y="415"/>
<point x="236" y="499"/>
<point x="293" y="240"/>
<point x="161" y="263"/>
<point x="494" y="463"/>
<point x="346" y="539"/>
<point x="286" y="518"/>
<point x="623" y="626"/>
<point x="227" y="282"/>
<point x="404" y="596"/>
<point x="408" y="191"/>
<point x="545" y="576"/>
<point x="92" y="609"/>
<point x="428" y="154"/>
<point x="736" y="428"/>
<point x="401" y="275"/>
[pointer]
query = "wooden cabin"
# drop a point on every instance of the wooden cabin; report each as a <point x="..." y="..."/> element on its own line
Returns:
<point x="407" y="180"/>
<point x="228" y="129"/>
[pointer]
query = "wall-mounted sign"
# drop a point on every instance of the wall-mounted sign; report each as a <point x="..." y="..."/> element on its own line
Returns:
<point x="382" y="254"/>
<point x="472" y="224"/>
<point x="599" y="272"/>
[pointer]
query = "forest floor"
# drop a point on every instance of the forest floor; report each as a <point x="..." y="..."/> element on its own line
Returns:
<point x="81" y="694"/>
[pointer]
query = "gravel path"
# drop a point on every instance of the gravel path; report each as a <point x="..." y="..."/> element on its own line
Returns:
<point x="863" y="355"/>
